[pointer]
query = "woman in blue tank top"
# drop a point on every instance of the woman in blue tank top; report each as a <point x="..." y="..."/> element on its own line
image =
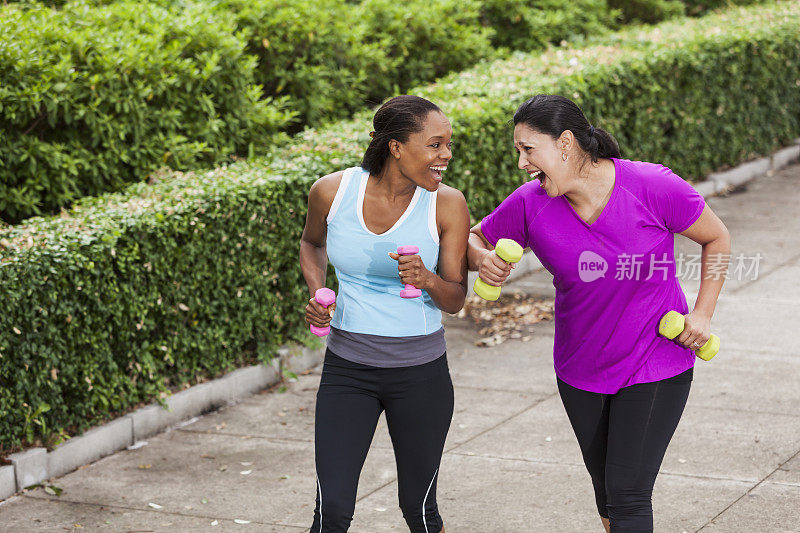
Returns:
<point x="385" y="352"/>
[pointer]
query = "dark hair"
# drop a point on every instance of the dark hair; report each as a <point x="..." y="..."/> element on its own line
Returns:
<point x="396" y="119"/>
<point x="552" y="114"/>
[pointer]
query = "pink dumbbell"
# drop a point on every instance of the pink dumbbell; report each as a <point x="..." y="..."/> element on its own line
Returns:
<point x="409" y="291"/>
<point x="325" y="297"/>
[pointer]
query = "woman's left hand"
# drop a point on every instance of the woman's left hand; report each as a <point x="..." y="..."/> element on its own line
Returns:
<point x="412" y="270"/>
<point x="696" y="331"/>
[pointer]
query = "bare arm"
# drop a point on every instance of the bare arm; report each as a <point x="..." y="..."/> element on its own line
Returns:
<point x="482" y="258"/>
<point x="449" y="288"/>
<point x="710" y="232"/>
<point x="313" y="252"/>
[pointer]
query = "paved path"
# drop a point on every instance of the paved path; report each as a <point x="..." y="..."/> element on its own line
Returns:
<point x="511" y="463"/>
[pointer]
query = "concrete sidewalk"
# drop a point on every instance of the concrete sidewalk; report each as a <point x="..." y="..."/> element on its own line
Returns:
<point x="511" y="462"/>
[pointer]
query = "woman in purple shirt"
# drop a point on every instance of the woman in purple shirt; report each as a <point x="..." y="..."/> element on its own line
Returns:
<point x="604" y="227"/>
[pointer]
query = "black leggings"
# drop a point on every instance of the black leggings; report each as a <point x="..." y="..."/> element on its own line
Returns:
<point x="418" y="401"/>
<point x="623" y="438"/>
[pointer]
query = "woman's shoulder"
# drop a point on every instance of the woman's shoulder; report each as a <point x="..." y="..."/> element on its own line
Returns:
<point x="451" y="206"/>
<point x="449" y="196"/>
<point x="328" y="183"/>
<point x="643" y="171"/>
<point x="654" y="184"/>
<point x="323" y="191"/>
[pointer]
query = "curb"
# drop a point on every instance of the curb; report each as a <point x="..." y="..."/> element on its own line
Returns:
<point x="8" y="482"/>
<point x="36" y="465"/>
<point x="719" y="182"/>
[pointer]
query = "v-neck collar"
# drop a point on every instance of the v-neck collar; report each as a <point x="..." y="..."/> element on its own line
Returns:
<point x="362" y="189"/>
<point x="614" y="189"/>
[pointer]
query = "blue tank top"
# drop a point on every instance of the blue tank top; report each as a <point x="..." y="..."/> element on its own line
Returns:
<point x="369" y="285"/>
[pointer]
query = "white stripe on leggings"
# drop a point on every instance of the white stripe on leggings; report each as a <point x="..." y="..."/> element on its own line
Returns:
<point x="424" y="521"/>
<point x="319" y="488"/>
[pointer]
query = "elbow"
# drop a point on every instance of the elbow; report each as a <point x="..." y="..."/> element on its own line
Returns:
<point x="458" y="304"/>
<point x="455" y="308"/>
<point x="723" y="240"/>
<point x="719" y="242"/>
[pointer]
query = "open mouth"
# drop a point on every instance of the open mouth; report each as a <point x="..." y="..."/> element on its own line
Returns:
<point x="540" y="175"/>
<point x="437" y="172"/>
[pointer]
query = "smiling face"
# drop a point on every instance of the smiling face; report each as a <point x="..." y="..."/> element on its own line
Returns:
<point x="541" y="157"/>
<point x="424" y="157"/>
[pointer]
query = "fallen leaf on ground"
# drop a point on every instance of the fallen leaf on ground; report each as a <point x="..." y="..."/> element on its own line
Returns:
<point x="510" y="317"/>
<point x="52" y="489"/>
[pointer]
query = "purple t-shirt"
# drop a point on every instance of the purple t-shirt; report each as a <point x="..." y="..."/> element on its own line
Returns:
<point x="614" y="278"/>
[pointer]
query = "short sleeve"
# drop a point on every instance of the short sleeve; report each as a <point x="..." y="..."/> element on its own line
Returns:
<point x="508" y="220"/>
<point x="675" y="201"/>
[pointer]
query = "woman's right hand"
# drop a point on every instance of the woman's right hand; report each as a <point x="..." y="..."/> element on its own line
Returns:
<point x="493" y="270"/>
<point x="317" y="315"/>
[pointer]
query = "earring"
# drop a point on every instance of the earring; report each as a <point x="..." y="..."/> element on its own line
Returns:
<point x="564" y="156"/>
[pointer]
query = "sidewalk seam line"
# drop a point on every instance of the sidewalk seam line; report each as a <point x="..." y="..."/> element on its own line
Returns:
<point x="751" y="489"/>
<point x="752" y="282"/>
<point x="153" y="511"/>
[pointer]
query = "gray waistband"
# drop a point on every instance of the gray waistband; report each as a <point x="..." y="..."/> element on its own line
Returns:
<point x="387" y="352"/>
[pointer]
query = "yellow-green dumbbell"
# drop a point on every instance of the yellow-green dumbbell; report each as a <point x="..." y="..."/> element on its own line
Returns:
<point x="672" y="325"/>
<point x="510" y="252"/>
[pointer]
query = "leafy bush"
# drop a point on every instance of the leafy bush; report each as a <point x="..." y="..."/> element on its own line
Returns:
<point x="700" y="7"/>
<point x="159" y="286"/>
<point x="648" y="11"/>
<point x="94" y="98"/>
<point x="315" y="52"/>
<point x="533" y="25"/>
<point x="136" y="293"/>
<point x="102" y="92"/>
<point x="422" y="40"/>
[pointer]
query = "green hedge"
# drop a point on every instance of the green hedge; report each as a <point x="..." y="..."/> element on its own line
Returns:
<point x="648" y="11"/>
<point x="93" y="98"/>
<point x="530" y="26"/>
<point x="124" y="300"/>
<point x="423" y="40"/>
<point x="694" y="94"/>
<point x="699" y="7"/>
<point x="309" y="51"/>
<point x="101" y="93"/>
<point x="160" y="286"/>
<point x="653" y="11"/>
<point x="331" y="57"/>
<point x="71" y="126"/>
